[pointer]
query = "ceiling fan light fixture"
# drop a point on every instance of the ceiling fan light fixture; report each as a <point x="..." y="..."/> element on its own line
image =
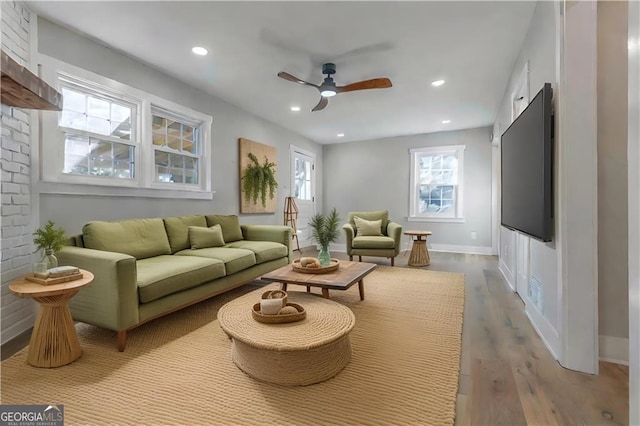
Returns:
<point x="328" y="92"/>
<point x="198" y="50"/>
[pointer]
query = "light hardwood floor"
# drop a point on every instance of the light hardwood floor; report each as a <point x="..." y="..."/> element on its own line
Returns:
<point x="507" y="376"/>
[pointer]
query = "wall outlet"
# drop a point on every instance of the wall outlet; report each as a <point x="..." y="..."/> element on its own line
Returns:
<point x="474" y="235"/>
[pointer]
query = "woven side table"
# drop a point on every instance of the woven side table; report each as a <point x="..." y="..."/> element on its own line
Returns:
<point x="54" y="341"/>
<point x="419" y="252"/>
<point x="292" y="354"/>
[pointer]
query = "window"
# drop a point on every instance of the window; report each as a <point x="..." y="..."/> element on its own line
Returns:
<point x="175" y="149"/>
<point x="436" y="183"/>
<point x="112" y="135"/>
<point x="99" y="137"/>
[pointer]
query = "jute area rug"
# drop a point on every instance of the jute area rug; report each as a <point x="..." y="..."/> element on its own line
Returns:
<point x="178" y="370"/>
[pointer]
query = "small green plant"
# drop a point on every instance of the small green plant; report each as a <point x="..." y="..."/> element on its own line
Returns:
<point x="258" y="178"/>
<point x="324" y="229"/>
<point x="50" y="238"/>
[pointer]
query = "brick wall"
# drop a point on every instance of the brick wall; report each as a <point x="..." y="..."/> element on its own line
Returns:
<point x="16" y="217"/>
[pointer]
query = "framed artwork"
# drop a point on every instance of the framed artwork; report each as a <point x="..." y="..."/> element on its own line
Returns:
<point x="258" y="185"/>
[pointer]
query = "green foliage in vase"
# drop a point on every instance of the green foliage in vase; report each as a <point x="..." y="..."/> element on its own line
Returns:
<point x="258" y="179"/>
<point x="325" y="229"/>
<point x="50" y="238"/>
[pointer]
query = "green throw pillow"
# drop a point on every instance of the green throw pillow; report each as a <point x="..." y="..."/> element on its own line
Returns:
<point x="201" y="237"/>
<point x="367" y="228"/>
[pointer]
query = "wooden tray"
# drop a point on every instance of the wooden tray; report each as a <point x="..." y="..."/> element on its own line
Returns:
<point x="278" y="319"/>
<point x="57" y="280"/>
<point x="333" y="265"/>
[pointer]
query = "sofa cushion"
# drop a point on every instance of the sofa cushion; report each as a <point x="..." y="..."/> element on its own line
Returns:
<point x="140" y="238"/>
<point x="234" y="259"/>
<point x="178" y="230"/>
<point x="201" y="237"/>
<point x="373" y="242"/>
<point x="230" y="224"/>
<point x="264" y="250"/>
<point x="163" y="275"/>
<point x="368" y="228"/>
<point x="383" y="215"/>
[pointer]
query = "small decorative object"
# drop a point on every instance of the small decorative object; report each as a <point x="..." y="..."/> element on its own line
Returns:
<point x="50" y="240"/>
<point x="258" y="178"/>
<point x="296" y="265"/>
<point x="274" y="309"/>
<point x="324" y="230"/>
<point x="287" y="316"/>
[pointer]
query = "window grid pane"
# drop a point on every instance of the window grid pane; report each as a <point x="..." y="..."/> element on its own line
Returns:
<point x="174" y="135"/>
<point x="106" y="117"/>
<point x="436" y="179"/>
<point x="175" y="168"/>
<point x="95" y="157"/>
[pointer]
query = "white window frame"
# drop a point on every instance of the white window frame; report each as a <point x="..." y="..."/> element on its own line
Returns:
<point x="415" y="155"/>
<point x="51" y="178"/>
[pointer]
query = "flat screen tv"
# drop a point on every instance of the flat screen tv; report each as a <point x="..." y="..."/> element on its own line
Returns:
<point x="527" y="169"/>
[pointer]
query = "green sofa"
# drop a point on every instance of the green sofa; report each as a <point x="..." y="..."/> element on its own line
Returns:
<point x="147" y="268"/>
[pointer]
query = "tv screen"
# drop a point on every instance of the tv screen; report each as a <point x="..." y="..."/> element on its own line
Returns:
<point x="527" y="169"/>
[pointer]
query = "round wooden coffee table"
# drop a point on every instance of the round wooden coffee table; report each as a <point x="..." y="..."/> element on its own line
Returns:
<point x="419" y="253"/>
<point x="54" y="341"/>
<point x="292" y="354"/>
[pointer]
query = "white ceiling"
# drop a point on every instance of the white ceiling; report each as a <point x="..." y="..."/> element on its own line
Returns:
<point x="472" y="45"/>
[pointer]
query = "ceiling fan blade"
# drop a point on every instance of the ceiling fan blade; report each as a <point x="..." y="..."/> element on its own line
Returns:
<point x="322" y="104"/>
<point x="295" y="79"/>
<point x="376" y="83"/>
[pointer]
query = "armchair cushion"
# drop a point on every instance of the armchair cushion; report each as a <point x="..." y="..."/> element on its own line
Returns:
<point x="373" y="242"/>
<point x="366" y="227"/>
<point x="382" y="215"/>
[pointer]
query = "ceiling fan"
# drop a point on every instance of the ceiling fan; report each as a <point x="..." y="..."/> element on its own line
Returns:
<point x="328" y="87"/>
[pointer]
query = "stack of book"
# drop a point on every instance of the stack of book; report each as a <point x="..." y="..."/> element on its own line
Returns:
<point x="56" y="275"/>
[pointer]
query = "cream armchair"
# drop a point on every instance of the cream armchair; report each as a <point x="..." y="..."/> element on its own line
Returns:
<point x="368" y="237"/>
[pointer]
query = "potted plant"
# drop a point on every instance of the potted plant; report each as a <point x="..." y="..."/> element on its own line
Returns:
<point x="50" y="240"/>
<point x="324" y="230"/>
<point x="258" y="178"/>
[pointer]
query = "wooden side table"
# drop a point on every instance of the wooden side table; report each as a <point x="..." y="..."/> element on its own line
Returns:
<point x="54" y="341"/>
<point x="419" y="253"/>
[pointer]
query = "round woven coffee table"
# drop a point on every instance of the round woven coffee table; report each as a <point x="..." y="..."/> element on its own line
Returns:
<point x="292" y="354"/>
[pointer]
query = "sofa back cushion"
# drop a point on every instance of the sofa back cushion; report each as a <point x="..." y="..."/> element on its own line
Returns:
<point x="230" y="224"/>
<point x="382" y="215"/>
<point x="140" y="238"/>
<point x="178" y="230"/>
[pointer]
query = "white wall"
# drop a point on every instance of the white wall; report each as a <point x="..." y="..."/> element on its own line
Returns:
<point x="16" y="215"/>
<point x="613" y="257"/>
<point x="374" y="174"/>
<point x="539" y="50"/>
<point x="633" y="158"/>
<point x="229" y="123"/>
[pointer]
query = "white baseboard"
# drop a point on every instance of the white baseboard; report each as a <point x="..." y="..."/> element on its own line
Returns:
<point x="545" y="330"/>
<point x="614" y="349"/>
<point x="507" y="274"/>
<point x="452" y="248"/>
<point x="17" y="329"/>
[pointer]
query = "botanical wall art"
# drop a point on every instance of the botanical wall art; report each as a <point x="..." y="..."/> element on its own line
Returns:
<point x="258" y="184"/>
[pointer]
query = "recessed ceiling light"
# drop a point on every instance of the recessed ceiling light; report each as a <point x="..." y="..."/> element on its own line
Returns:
<point x="340" y="135"/>
<point x="199" y="50"/>
<point x="446" y="121"/>
<point x="437" y="83"/>
<point x="295" y="108"/>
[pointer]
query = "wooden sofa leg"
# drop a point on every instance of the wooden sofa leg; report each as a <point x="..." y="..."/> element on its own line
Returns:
<point x="392" y="259"/>
<point x="122" y="340"/>
<point x="359" y="258"/>
<point x="350" y="258"/>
